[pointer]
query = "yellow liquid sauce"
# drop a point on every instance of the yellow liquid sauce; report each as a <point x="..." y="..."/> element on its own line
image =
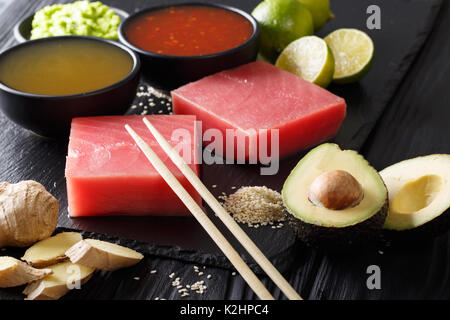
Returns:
<point x="64" y="67"/>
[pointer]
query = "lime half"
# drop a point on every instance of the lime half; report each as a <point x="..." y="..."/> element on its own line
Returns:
<point x="353" y="54"/>
<point x="309" y="58"/>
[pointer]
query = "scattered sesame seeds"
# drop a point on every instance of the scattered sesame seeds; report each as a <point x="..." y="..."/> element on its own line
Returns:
<point x="171" y="275"/>
<point x="255" y="206"/>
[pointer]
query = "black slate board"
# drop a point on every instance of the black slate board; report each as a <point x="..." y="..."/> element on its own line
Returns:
<point x="314" y="274"/>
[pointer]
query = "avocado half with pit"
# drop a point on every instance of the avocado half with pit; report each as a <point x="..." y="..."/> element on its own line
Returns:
<point x="335" y="198"/>
<point x="419" y="193"/>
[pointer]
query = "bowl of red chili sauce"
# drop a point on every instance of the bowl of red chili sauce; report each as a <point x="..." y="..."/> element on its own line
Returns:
<point x="184" y="42"/>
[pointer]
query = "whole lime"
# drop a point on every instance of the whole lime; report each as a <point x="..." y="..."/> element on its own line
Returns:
<point x="320" y="11"/>
<point x="281" y="22"/>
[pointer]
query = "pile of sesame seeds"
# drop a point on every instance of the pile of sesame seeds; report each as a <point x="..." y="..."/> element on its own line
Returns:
<point x="255" y="206"/>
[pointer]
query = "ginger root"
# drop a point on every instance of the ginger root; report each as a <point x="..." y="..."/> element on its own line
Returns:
<point x="28" y="213"/>
<point x="51" y="250"/>
<point x="65" y="277"/>
<point x="15" y="273"/>
<point x="103" y="255"/>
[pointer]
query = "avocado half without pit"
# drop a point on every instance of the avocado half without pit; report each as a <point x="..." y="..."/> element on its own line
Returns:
<point x="419" y="193"/>
<point x="335" y="198"/>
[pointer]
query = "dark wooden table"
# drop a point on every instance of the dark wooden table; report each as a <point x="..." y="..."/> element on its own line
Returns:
<point x="415" y="121"/>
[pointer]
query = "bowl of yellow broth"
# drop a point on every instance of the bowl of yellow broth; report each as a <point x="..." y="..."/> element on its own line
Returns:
<point x="45" y="83"/>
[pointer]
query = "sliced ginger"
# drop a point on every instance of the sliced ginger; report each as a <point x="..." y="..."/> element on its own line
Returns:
<point x="103" y="255"/>
<point x="14" y="272"/>
<point x="52" y="250"/>
<point x="65" y="277"/>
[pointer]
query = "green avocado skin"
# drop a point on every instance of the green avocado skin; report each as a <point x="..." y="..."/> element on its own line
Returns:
<point x="431" y="229"/>
<point x="365" y="234"/>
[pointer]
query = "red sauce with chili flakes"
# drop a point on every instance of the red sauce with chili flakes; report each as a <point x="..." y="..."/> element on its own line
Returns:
<point x="189" y="30"/>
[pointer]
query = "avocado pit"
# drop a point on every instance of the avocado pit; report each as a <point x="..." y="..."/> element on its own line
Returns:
<point x="335" y="190"/>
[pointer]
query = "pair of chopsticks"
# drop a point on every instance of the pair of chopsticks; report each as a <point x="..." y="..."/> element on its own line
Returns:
<point x="247" y="274"/>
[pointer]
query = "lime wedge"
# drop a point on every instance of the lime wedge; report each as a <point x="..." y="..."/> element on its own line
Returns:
<point x="309" y="58"/>
<point x="353" y="54"/>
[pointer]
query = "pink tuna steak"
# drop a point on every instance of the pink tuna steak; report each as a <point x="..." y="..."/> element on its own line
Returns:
<point x="260" y="96"/>
<point x="107" y="173"/>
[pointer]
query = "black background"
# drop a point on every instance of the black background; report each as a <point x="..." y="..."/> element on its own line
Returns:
<point x="398" y="111"/>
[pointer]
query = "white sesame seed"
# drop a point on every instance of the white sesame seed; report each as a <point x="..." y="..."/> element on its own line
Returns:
<point x="233" y="273"/>
<point x="153" y="271"/>
<point x="208" y="276"/>
<point x="137" y="278"/>
<point x="200" y="273"/>
<point x="255" y="206"/>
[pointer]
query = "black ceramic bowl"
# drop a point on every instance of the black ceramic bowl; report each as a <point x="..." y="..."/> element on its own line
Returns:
<point x="22" y="30"/>
<point x="169" y="72"/>
<point x="51" y="115"/>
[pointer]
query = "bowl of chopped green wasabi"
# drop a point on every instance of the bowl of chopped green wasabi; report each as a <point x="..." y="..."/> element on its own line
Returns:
<point x="82" y="18"/>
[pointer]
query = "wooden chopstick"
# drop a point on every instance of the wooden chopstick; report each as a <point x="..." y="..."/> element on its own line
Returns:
<point x="229" y="222"/>
<point x="246" y="273"/>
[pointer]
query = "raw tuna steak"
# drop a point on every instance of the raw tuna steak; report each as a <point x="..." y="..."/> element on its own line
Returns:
<point x="260" y="96"/>
<point x="107" y="174"/>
